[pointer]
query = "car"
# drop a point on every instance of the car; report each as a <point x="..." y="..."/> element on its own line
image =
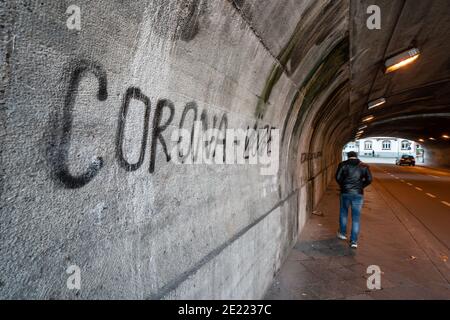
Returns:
<point x="406" y="160"/>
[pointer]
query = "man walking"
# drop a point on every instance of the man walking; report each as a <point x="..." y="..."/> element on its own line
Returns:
<point x="352" y="176"/>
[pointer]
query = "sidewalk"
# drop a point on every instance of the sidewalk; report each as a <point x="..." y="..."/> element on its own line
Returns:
<point x="322" y="267"/>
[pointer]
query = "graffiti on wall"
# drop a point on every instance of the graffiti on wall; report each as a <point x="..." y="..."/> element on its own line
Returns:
<point x="164" y="109"/>
<point x="310" y="156"/>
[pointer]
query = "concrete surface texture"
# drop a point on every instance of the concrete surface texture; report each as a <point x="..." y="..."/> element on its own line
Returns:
<point x="87" y="116"/>
<point x="85" y="183"/>
<point x="406" y="242"/>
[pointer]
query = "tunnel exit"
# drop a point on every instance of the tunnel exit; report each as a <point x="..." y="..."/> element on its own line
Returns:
<point x="387" y="150"/>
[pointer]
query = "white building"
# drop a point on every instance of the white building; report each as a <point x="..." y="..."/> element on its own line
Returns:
<point x="383" y="147"/>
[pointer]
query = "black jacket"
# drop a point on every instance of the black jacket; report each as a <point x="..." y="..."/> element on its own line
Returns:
<point x="353" y="176"/>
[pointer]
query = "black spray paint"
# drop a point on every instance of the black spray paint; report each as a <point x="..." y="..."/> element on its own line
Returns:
<point x="62" y="129"/>
<point x="60" y="149"/>
<point x="132" y="93"/>
<point x="158" y="129"/>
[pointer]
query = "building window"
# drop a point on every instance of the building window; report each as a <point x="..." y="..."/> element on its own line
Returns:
<point x="368" y="145"/>
<point x="406" y="145"/>
<point x="386" y="145"/>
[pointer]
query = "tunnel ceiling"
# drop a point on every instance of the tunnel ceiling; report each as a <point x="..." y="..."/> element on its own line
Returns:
<point x="418" y="96"/>
<point x="302" y="33"/>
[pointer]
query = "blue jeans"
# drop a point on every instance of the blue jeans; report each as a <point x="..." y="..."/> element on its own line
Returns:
<point x="356" y="201"/>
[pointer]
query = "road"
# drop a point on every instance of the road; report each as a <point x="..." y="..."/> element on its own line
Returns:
<point x="404" y="231"/>
<point x="423" y="191"/>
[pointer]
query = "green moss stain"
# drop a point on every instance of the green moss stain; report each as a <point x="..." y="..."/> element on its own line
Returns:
<point x="274" y="76"/>
<point x="318" y="34"/>
<point x="321" y="77"/>
<point x="277" y="70"/>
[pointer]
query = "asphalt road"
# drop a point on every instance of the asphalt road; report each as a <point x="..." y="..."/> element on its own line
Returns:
<point x="423" y="191"/>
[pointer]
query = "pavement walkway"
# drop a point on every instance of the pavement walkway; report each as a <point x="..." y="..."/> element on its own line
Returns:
<point x="414" y="265"/>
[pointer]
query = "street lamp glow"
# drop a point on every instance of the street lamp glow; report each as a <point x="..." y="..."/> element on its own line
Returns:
<point x="376" y="103"/>
<point x="369" y="118"/>
<point x="401" y="60"/>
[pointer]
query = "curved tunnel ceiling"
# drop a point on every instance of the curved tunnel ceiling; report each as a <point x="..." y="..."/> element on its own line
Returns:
<point x="304" y="34"/>
<point x="417" y="96"/>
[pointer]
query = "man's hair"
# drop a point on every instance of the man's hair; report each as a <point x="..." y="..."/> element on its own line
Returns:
<point x="352" y="154"/>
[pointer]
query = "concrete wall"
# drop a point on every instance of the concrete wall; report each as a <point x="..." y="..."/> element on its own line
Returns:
<point x="84" y="183"/>
<point x="437" y="155"/>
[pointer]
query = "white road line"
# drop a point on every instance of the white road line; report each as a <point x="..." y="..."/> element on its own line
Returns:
<point x="420" y="189"/>
<point x="431" y="195"/>
<point x="446" y="203"/>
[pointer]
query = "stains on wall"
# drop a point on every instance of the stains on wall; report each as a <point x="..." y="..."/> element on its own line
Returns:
<point x="190" y="13"/>
<point x="180" y="20"/>
<point x="304" y="37"/>
<point x="321" y="77"/>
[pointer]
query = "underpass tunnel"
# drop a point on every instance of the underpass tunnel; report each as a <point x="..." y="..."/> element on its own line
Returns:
<point x="87" y="174"/>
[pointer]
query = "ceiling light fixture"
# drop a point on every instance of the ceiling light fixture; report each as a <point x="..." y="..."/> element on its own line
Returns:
<point x="400" y="60"/>
<point x="445" y="136"/>
<point x="369" y="118"/>
<point x="421" y="140"/>
<point x="376" y="103"/>
<point x="432" y="139"/>
<point x="362" y="128"/>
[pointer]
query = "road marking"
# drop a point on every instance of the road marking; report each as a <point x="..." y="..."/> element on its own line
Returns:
<point x="420" y="189"/>
<point x="431" y="195"/>
<point x="446" y="203"/>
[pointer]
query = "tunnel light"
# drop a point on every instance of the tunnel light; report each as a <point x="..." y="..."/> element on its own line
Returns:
<point x="360" y="132"/>
<point x="432" y="139"/>
<point x="369" y="118"/>
<point x="362" y="128"/>
<point x="421" y="140"/>
<point x="401" y="60"/>
<point x="445" y="136"/>
<point x="376" y="103"/>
